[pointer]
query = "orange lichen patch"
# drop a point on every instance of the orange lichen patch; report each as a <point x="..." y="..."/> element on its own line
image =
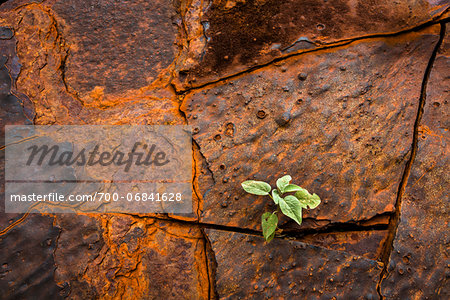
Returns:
<point x="377" y="220"/>
<point x="433" y="29"/>
<point x="197" y="200"/>
<point x="203" y="177"/>
<point x="41" y="51"/>
<point x="389" y="208"/>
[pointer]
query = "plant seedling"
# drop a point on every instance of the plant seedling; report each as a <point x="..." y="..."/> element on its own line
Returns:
<point x="291" y="205"/>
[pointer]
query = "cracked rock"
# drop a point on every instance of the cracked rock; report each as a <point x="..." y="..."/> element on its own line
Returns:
<point x="419" y="261"/>
<point x="319" y="148"/>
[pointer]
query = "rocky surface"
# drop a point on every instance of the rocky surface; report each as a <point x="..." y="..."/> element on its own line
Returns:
<point x="229" y="36"/>
<point x="127" y="257"/>
<point x="368" y="243"/>
<point x="28" y="262"/>
<point x="285" y="269"/>
<point x="131" y="55"/>
<point x="419" y="265"/>
<point x="327" y="91"/>
<point x="339" y="121"/>
<point x="13" y="110"/>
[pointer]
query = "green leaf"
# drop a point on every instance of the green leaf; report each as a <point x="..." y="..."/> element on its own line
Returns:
<point x="283" y="182"/>
<point x="260" y="188"/>
<point x="306" y="199"/>
<point x="292" y="188"/>
<point x="270" y="237"/>
<point x="290" y="206"/>
<point x="276" y="196"/>
<point x="269" y="224"/>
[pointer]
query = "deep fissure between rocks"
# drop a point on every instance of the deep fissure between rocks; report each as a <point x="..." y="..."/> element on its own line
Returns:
<point x="395" y="218"/>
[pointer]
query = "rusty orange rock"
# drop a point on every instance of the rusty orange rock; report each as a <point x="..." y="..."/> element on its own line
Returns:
<point x="249" y="268"/>
<point x="119" y="256"/>
<point x="228" y="37"/>
<point x="105" y="50"/>
<point x="326" y="91"/>
<point x="344" y="132"/>
<point x="44" y="41"/>
<point x="419" y="264"/>
<point x="368" y="244"/>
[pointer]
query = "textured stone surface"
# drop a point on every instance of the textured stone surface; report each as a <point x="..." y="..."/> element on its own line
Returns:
<point x="339" y="119"/>
<point x="228" y="36"/>
<point x="47" y="66"/>
<point x="27" y="263"/>
<point x="419" y="265"/>
<point x="106" y="257"/>
<point x="125" y="257"/>
<point x="115" y="46"/>
<point x="13" y="110"/>
<point x="340" y="122"/>
<point x="250" y="269"/>
<point x="368" y="244"/>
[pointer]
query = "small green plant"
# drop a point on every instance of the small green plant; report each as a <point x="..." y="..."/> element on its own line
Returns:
<point x="291" y="204"/>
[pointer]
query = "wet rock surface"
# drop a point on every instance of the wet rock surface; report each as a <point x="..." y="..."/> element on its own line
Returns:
<point x="326" y="91"/>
